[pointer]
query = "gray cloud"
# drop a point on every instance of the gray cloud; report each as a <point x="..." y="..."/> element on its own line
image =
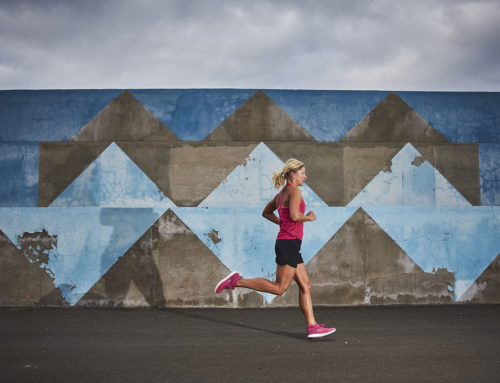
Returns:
<point x="382" y="44"/>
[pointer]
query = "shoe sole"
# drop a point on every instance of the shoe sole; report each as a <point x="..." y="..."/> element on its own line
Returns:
<point x="321" y="335"/>
<point x="224" y="279"/>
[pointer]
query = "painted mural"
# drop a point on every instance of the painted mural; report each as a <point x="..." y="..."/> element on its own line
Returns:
<point x="148" y="197"/>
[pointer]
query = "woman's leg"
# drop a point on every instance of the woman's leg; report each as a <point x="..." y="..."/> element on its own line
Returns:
<point x="284" y="276"/>
<point x="305" y="300"/>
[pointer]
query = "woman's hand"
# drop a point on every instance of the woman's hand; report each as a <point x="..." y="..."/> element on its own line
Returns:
<point x="311" y="215"/>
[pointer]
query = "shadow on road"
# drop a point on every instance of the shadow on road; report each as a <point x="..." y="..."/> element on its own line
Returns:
<point x="301" y="336"/>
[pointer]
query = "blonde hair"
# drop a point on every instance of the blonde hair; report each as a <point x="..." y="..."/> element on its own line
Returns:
<point x="279" y="177"/>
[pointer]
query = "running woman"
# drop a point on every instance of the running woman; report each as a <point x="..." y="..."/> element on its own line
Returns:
<point x="290" y="265"/>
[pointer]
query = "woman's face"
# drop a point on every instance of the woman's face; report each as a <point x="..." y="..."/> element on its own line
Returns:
<point x="299" y="177"/>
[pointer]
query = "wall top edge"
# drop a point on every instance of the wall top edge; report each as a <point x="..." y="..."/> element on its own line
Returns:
<point x="250" y="89"/>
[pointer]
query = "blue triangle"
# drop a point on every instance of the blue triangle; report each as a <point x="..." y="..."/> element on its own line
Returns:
<point x="327" y="115"/>
<point x="489" y="164"/>
<point x="464" y="240"/>
<point x="192" y="114"/>
<point x="89" y="240"/>
<point x="251" y="184"/>
<point x="19" y="173"/>
<point x="247" y="240"/>
<point x="112" y="180"/>
<point x="408" y="184"/>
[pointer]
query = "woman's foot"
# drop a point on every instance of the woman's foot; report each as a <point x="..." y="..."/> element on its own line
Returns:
<point x="318" y="331"/>
<point x="228" y="282"/>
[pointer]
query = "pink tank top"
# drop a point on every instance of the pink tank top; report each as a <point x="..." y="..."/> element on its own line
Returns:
<point x="290" y="229"/>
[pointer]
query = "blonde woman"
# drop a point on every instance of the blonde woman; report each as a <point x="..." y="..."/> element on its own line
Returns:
<point x="290" y="265"/>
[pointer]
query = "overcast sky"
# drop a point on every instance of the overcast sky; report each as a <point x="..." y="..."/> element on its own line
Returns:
<point x="451" y="45"/>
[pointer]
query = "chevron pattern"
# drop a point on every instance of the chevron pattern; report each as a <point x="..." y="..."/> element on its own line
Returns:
<point x="148" y="197"/>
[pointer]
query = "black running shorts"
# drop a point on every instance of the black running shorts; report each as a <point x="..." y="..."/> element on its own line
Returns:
<point x="288" y="252"/>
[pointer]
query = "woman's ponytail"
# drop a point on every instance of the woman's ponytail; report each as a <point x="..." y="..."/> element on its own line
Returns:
<point x="279" y="177"/>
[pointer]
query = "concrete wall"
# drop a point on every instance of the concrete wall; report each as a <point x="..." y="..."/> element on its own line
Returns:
<point x="149" y="197"/>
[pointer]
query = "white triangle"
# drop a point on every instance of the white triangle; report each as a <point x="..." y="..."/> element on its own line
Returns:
<point x="251" y="185"/>
<point x="112" y="180"/>
<point x="409" y="183"/>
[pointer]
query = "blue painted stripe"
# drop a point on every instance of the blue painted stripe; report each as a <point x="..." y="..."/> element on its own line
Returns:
<point x="192" y="114"/>
<point x="19" y="173"/>
<point x="459" y="116"/>
<point x="247" y="240"/>
<point x="56" y="115"/>
<point x="49" y="115"/>
<point x="489" y="171"/>
<point x="464" y="240"/>
<point x="327" y="115"/>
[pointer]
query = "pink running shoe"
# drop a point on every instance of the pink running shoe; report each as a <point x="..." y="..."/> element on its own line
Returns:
<point x="318" y="331"/>
<point x="228" y="282"/>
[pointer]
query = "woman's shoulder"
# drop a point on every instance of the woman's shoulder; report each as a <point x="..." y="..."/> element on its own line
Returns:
<point x="294" y="191"/>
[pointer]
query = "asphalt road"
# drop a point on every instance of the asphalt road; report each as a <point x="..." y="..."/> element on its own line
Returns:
<point x="372" y="344"/>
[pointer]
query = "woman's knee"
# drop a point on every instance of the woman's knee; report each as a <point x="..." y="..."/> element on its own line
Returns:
<point x="280" y="290"/>
<point x="305" y="286"/>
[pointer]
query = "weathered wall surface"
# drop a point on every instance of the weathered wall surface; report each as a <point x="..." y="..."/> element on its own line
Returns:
<point x="149" y="197"/>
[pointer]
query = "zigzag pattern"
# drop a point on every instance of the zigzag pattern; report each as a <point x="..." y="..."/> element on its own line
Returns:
<point x="137" y="211"/>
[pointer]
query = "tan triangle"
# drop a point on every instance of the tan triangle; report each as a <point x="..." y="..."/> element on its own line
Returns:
<point x="361" y="264"/>
<point x="259" y="119"/>
<point x="187" y="172"/>
<point x="137" y="265"/>
<point x="393" y="120"/>
<point x="125" y="119"/>
<point x="324" y="162"/>
<point x="393" y="277"/>
<point x="486" y="288"/>
<point x="465" y="178"/>
<point x="191" y="271"/>
<point x="25" y="283"/>
<point x="60" y="163"/>
<point x="169" y="266"/>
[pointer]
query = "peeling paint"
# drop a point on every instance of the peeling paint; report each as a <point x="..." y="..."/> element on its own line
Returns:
<point x="388" y="167"/>
<point x="169" y="226"/>
<point x="417" y="161"/>
<point x="462" y="240"/>
<point x="89" y="240"/>
<point x="214" y="236"/>
<point x="38" y="246"/>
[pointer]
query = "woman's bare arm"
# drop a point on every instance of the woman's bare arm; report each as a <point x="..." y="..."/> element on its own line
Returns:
<point x="269" y="211"/>
<point x="294" y="206"/>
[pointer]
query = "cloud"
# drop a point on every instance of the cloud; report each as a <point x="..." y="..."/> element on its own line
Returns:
<point x="388" y="45"/>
